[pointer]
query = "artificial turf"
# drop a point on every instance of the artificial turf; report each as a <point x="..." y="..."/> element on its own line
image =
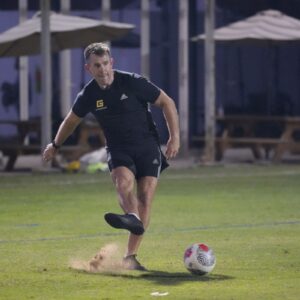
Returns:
<point x="248" y="214"/>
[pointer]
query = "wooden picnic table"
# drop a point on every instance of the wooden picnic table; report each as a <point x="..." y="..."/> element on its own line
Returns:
<point x="16" y="145"/>
<point x="244" y="131"/>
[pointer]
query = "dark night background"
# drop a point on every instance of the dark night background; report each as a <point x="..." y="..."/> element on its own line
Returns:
<point x="250" y="79"/>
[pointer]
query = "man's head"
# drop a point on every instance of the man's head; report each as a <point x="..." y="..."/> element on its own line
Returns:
<point x="99" y="63"/>
<point x="99" y="49"/>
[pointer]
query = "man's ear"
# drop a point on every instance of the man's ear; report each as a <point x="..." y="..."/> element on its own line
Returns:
<point x="112" y="61"/>
<point x="87" y="67"/>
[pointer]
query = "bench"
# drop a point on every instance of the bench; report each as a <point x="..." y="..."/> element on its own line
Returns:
<point x="13" y="150"/>
<point x="242" y="131"/>
<point x="256" y="144"/>
<point x="16" y="145"/>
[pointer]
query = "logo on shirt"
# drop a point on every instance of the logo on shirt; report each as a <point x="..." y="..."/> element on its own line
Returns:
<point x="100" y="104"/>
<point x="123" y="97"/>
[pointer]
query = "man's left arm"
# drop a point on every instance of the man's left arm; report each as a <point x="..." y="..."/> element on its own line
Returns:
<point x="171" y="116"/>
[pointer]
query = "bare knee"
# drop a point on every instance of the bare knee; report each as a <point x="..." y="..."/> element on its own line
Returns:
<point x="124" y="185"/>
<point x="123" y="180"/>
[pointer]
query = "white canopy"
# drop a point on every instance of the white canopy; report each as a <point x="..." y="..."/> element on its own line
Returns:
<point x="66" y="32"/>
<point x="268" y="25"/>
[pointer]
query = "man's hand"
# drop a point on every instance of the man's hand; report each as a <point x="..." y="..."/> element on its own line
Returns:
<point x="172" y="148"/>
<point x="66" y="128"/>
<point x="49" y="152"/>
<point x="171" y="116"/>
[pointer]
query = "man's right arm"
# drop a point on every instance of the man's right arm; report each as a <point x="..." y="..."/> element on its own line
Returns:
<point x="66" y="128"/>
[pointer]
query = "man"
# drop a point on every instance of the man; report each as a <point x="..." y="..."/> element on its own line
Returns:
<point x="119" y="101"/>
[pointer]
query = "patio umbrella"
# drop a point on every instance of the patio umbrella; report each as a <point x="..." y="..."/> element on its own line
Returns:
<point x="269" y="27"/>
<point x="265" y="26"/>
<point x="55" y="32"/>
<point x="66" y="32"/>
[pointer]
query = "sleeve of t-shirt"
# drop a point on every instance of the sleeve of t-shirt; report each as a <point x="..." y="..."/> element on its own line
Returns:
<point x="80" y="107"/>
<point x="144" y="89"/>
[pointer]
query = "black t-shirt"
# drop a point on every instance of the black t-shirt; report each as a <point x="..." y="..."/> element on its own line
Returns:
<point x="122" y="110"/>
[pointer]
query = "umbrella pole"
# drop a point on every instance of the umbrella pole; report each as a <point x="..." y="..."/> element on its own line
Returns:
<point x="105" y="13"/>
<point x="65" y="71"/>
<point x="183" y="76"/>
<point x="209" y="57"/>
<point x="23" y="70"/>
<point x="46" y="73"/>
<point x="145" y="38"/>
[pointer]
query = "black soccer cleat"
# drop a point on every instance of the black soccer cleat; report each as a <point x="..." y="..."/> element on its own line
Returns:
<point x="131" y="263"/>
<point x="127" y="221"/>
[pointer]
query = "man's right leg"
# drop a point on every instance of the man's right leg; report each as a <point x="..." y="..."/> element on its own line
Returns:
<point x="146" y="187"/>
<point x="124" y="181"/>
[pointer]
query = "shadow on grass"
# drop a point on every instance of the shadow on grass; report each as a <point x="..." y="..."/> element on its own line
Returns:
<point x="166" y="278"/>
<point x="169" y="278"/>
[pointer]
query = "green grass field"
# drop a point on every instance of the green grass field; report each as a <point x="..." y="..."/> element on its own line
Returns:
<point x="249" y="215"/>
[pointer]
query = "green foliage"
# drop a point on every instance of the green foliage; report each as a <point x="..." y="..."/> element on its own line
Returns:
<point x="249" y="215"/>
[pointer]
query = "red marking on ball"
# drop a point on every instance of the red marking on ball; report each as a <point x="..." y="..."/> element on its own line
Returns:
<point x="203" y="247"/>
<point x="188" y="252"/>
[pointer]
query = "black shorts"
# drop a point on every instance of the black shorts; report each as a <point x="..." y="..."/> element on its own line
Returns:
<point x="142" y="160"/>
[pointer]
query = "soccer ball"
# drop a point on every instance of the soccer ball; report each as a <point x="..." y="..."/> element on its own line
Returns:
<point x="199" y="259"/>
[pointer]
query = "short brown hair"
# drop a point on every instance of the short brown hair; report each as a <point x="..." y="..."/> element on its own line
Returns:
<point x="99" y="49"/>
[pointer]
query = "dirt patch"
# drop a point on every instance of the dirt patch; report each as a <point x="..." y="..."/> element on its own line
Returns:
<point x="107" y="259"/>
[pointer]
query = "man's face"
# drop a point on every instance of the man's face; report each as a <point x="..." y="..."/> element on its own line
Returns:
<point x="100" y="67"/>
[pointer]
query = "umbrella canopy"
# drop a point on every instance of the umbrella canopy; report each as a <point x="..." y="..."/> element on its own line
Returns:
<point x="265" y="26"/>
<point x="66" y="32"/>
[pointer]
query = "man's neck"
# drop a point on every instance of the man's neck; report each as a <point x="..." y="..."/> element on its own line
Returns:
<point x="104" y="87"/>
<point x="107" y="86"/>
